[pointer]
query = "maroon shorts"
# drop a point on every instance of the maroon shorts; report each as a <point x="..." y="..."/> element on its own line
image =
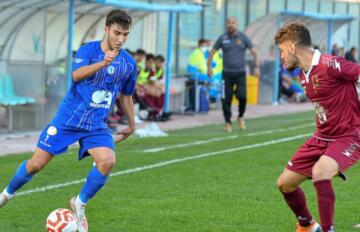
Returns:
<point x="345" y="151"/>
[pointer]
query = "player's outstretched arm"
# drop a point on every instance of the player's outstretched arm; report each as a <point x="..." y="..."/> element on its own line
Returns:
<point x="128" y="106"/>
<point x="89" y="70"/>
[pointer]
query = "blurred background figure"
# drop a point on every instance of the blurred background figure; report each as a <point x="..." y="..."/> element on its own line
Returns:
<point x="335" y="51"/>
<point x="290" y="87"/>
<point x="234" y="44"/>
<point x="198" y="69"/>
<point x="351" y="54"/>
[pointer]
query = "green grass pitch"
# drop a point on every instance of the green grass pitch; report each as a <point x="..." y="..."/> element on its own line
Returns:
<point x="225" y="184"/>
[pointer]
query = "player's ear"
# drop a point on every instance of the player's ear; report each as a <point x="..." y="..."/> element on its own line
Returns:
<point x="106" y="29"/>
<point x="292" y="47"/>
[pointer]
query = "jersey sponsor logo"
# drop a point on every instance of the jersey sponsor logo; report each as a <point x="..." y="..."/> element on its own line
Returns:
<point x="226" y="41"/>
<point x="320" y="112"/>
<point x="331" y="62"/>
<point x="110" y="70"/>
<point x="101" y="99"/>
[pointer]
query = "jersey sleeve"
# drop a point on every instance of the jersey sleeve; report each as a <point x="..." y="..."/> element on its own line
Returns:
<point x="217" y="44"/>
<point x="130" y="83"/>
<point x="343" y="69"/>
<point x="82" y="58"/>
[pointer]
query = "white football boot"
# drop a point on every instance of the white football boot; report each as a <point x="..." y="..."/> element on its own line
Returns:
<point x="79" y="210"/>
<point x="5" y="197"/>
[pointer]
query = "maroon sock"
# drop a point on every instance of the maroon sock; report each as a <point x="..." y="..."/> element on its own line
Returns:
<point x="297" y="202"/>
<point x="326" y="203"/>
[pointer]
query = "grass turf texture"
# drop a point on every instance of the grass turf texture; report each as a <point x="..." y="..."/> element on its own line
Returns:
<point x="235" y="191"/>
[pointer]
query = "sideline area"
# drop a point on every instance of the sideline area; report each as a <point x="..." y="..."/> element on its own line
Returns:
<point x="26" y="142"/>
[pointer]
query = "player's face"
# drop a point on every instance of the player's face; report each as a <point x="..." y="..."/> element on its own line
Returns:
<point x="149" y="63"/>
<point x="116" y="36"/>
<point x="231" y="25"/>
<point x="159" y="63"/>
<point x="139" y="58"/>
<point x="287" y="55"/>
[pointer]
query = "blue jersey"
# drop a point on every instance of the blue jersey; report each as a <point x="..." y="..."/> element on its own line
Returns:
<point x="88" y="102"/>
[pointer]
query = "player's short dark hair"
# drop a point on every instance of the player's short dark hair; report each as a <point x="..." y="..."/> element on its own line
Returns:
<point x="352" y="49"/>
<point x="150" y="56"/>
<point x="295" y="32"/>
<point x="140" y="52"/>
<point x="201" y="41"/>
<point x="119" y="17"/>
<point x="160" y="58"/>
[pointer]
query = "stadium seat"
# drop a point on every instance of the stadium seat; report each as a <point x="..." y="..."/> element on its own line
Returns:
<point x="8" y="98"/>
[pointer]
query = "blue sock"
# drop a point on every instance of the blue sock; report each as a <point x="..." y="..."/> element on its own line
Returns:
<point x="93" y="184"/>
<point x="20" y="178"/>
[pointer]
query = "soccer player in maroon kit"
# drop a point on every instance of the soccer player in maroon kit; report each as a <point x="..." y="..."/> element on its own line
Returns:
<point x="329" y="83"/>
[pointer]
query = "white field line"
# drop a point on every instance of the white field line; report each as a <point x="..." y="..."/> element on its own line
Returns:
<point x="165" y="163"/>
<point x="152" y="150"/>
<point x="190" y="144"/>
<point x="281" y="130"/>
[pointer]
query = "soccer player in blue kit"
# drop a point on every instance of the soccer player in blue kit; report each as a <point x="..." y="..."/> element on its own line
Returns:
<point x="102" y="70"/>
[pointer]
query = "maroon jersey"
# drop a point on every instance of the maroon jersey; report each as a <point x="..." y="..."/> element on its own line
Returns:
<point x="330" y="84"/>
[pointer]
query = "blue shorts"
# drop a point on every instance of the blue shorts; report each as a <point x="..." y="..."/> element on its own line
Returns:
<point x="56" y="140"/>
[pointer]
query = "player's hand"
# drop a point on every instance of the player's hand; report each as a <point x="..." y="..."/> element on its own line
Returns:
<point x="210" y="72"/>
<point x="122" y="135"/>
<point x="109" y="56"/>
<point x="257" y="71"/>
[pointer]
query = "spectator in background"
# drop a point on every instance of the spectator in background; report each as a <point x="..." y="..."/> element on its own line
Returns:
<point x="147" y="71"/>
<point x="335" y="50"/>
<point x="149" y="90"/>
<point x="154" y="86"/>
<point x="159" y="67"/>
<point x="351" y="54"/>
<point x="341" y="52"/>
<point x="197" y="63"/>
<point x="139" y="56"/>
<point x="197" y="67"/>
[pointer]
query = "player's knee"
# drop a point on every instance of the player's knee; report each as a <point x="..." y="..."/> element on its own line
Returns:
<point x="283" y="186"/>
<point x="242" y="99"/>
<point x="34" y="166"/>
<point x="106" y="166"/>
<point x="320" y="174"/>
